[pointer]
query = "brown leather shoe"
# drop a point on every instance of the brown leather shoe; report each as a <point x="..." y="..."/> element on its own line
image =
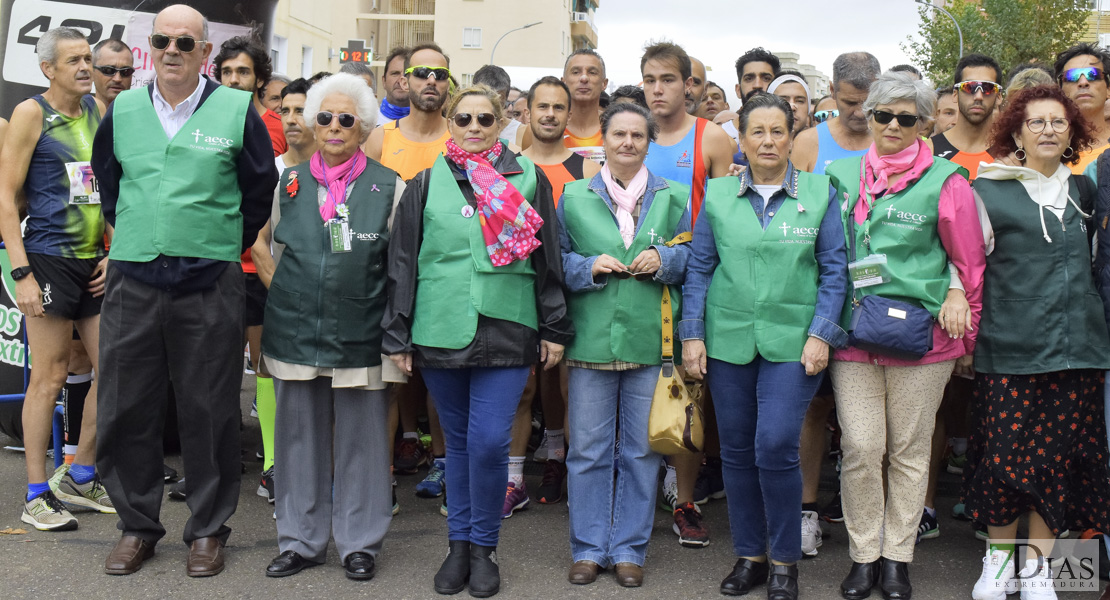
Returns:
<point x="206" y="558"/>
<point x="629" y="574"/>
<point x="583" y="572"/>
<point x="128" y="555"/>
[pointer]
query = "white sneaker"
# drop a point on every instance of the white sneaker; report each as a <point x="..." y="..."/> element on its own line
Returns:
<point x="997" y="578"/>
<point x="46" y="513"/>
<point x="668" y="496"/>
<point x="811" y="533"/>
<point x="1039" y="585"/>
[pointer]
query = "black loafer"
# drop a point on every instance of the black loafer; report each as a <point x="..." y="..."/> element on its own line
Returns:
<point x="745" y="575"/>
<point x="288" y="563"/>
<point x="783" y="584"/>
<point x="894" y="578"/>
<point x="360" y="566"/>
<point x="857" y="585"/>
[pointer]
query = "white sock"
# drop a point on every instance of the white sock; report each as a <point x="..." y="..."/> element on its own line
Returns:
<point x="959" y="445"/>
<point x="556" y="441"/>
<point x="79" y="377"/>
<point x="516" y="470"/>
<point x="932" y="512"/>
<point x="410" y="435"/>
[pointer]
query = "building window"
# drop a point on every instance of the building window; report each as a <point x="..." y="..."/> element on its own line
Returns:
<point x="279" y="53"/>
<point x="306" y="61"/>
<point x="472" y="37"/>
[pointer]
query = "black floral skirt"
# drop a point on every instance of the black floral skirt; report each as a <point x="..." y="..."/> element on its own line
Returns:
<point x="1038" y="443"/>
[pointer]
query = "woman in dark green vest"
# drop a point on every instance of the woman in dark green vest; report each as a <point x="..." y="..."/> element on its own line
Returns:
<point x="322" y="341"/>
<point x="1038" y="447"/>
<point x="475" y="299"/>
<point x="761" y="308"/>
<point x="916" y="241"/>
<point x="615" y="235"/>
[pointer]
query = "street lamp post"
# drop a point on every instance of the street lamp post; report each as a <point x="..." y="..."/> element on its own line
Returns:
<point x="492" y="52"/>
<point x="954" y="22"/>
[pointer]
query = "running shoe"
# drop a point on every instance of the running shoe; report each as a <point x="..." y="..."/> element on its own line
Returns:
<point x="929" y="528"/>
<point x="551" y="488"/>
<point x="433" y="484"/>
<point x="710" y="484"/>
<point x="956" y="464"/>
<point x="687" y="524"/>
<point x="90" y="494"/>
<point x="959" y="512"/>
<point x="997" y="578"/>
<point x="46" y="513"/>
<point x="981" y="532"/>
<point x="266" y="485"/>
<point x="811" y="533"/>
<point x="516" y="498"/>
<point x="410" y="456"/>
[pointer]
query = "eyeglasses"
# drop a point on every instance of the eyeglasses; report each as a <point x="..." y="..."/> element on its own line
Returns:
<point x="111" y="71"/>
<point x="346" y="120"/>
<point x="1038" y="125"/>
<point x="1091" y="73"/>
<point x="973" y="87"/>
<point x="486" y="120"/>
<point x="883" y="117"/>
<point x="627" y="274"/>
<point x="185" y="43"/>
<point x="424" y="72"/>
<point x="824" y="115"/>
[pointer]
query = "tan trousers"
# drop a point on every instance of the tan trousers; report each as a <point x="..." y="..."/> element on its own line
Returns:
<point x="891" y="411"/>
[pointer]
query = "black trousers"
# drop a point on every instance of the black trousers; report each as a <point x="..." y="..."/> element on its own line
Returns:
<point x="148" y="339"/>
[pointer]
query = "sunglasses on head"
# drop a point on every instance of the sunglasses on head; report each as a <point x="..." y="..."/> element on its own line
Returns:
<point x="184" y="43"/>
<point x="486" y="120"/>
<point x="824" y="115"/>
<point x="883" y="117"/>
<point x="111" y="71"/>
<point x="1091" y="73"/>
<point x="627" y="274"/>
<point x="972" y="87"/>
<point x="424" y="72"/>
<point x="346" y="120"/>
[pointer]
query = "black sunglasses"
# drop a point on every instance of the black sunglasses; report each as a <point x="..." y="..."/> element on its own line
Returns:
<point x="185" y="43"/>
<point x="111" y="71"/>
<point x="346" y="120"/>
<point x="627" y="274"/>
<point x="883" y="117"/>
<point x="486" y="120"/>
<point x="422" y="72"/>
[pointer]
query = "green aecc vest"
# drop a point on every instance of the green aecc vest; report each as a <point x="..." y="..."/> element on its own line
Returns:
<point x="325" y="308"/>
<point x="456" y="280"/>
<point x="763" y="293"/>
<point x="1041" y="310"/>
<point x="622" y="320"/>
<point x="904" y="228"/>
<point x="179" y="197"/>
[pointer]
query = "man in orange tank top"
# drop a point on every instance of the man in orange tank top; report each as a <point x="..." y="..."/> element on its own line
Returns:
<point x="584" y="75"/>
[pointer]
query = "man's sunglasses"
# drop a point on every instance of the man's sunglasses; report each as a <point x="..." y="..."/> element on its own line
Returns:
<point x="627" y="274"/>
<point x="883" y="117"/>
<point x="486" y="120"/>
<point x="424" y="72"/>
<point x="111" y="71"/>
<point x="185" y="43"/>
<point x="973" y="87"/>
<point x="824" y="115"/>
<point x="346" y="120"/>
<point x="1091" y="73"/>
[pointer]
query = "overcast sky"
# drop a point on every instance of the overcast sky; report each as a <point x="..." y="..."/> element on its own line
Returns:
<point x="719" y="31"/>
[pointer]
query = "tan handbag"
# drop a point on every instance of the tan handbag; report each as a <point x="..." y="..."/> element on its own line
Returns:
<point x="676" y="424"/>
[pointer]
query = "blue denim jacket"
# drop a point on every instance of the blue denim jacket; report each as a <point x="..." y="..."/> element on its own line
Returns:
<point x="830" y="251"/>
<point x="577" y="269"/>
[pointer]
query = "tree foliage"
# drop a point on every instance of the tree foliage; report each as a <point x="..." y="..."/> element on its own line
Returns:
<point x="1010" y="31"/>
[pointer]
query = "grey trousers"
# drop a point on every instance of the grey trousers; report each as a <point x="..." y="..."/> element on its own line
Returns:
<point x="314" y="424"/>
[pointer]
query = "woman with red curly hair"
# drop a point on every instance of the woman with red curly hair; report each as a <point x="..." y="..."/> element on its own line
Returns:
<point x="1039" y="442"/>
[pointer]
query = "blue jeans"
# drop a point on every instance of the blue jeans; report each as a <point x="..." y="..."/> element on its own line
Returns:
<point x="476" y="408"/>
<point x="610" y="524"/>
<point x="760" y="408"/>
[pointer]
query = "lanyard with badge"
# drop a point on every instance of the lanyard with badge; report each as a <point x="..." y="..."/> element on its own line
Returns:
<point x="871" y="269"/>
<point x="339" y="227"/>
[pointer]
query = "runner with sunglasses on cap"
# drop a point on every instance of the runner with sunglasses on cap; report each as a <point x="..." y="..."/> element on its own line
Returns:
<point x="977" y="90"/>
<point x="113" y="68"/>
<point x="1082" y="72"/>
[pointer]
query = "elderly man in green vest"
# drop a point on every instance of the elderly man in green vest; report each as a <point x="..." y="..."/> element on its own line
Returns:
<point x="187" y="178"/>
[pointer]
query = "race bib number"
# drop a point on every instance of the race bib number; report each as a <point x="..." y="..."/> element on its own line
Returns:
<point x="82" y="184"/>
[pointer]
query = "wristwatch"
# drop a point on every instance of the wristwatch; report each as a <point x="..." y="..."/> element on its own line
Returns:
<point x="21" y="272"/>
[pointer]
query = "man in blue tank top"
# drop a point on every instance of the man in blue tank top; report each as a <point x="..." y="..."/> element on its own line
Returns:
<point x="59" y="262"/>
<point x="844" y="136"/>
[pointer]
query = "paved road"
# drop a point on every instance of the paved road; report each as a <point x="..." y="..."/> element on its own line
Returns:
<point x="534" y="554"/>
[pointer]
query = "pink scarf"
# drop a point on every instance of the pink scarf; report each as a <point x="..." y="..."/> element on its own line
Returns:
<point x="336" y="179"/>
<point x="877" y="171"/>
<point x="509" y="223"/>
<point x="625" y="199"/>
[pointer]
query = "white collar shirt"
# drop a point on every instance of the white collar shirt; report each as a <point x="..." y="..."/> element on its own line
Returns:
<point x="173" y="119"/>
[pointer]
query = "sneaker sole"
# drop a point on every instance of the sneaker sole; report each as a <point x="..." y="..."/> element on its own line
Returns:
<point x="524" y="504"/>
<point x="687" y="543"/>
<point x="442" y="511"/>
<point x="84" y="502"/>
<point x="954" y="470"/>
<point x="424" y="493"/>
<point x="261" y="491"/>
<point x="929" y="535"/>
<point x="544" y="500"/>
<point x="67" y="526"/>
<point x="832" y="520"/>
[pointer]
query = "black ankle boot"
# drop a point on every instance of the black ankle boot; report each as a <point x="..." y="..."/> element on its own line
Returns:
<point x="857" y="585"/>
<point x="784" y="583"/>
<point x="452" y="575"/>
<point x="485" y="578"/>
<point x="895" y="580"/>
